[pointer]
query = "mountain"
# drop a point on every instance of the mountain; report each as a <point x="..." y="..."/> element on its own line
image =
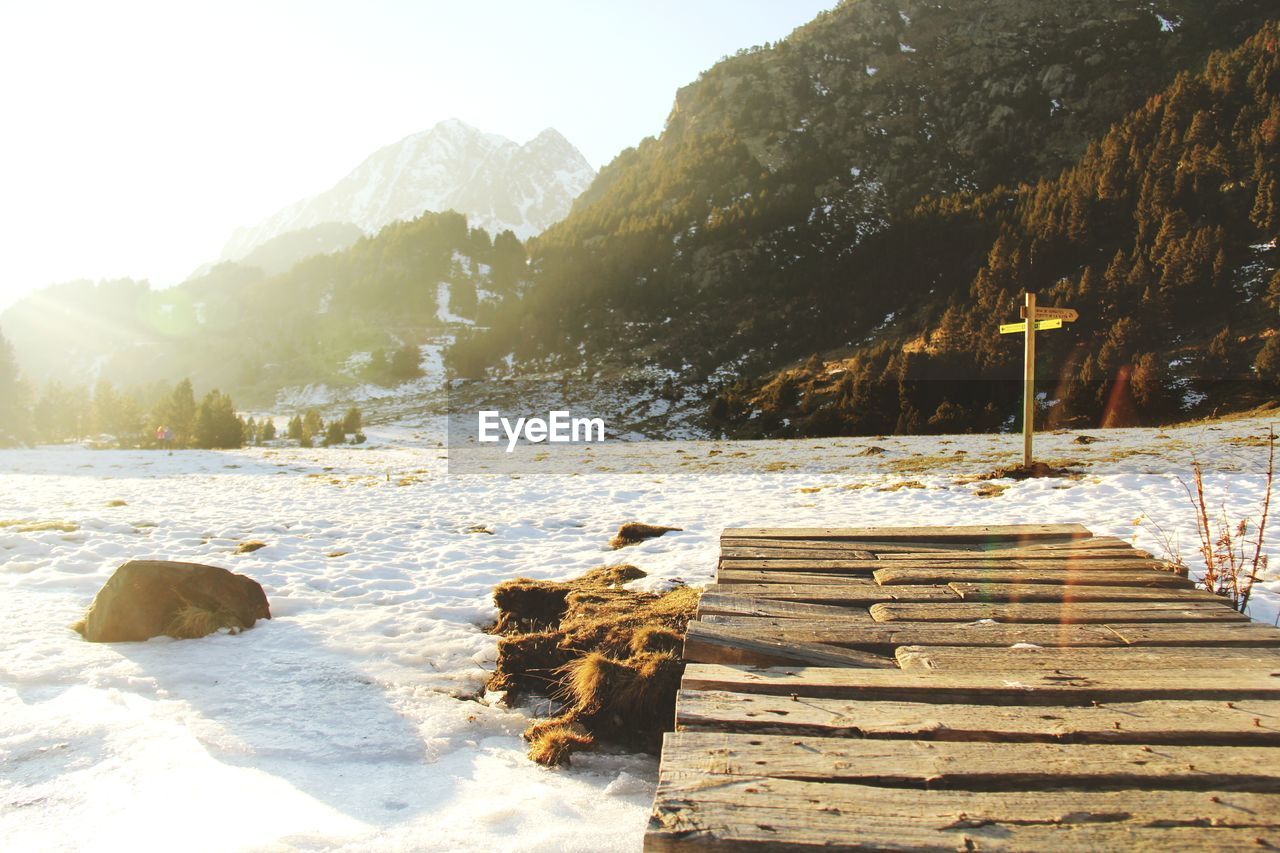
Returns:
<point x="774" y="217"/>
<point x="1163" y="236"/>
<point x="497" y="183"/>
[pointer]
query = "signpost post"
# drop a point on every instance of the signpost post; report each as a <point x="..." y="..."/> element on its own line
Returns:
<point x="1034" y="319"/>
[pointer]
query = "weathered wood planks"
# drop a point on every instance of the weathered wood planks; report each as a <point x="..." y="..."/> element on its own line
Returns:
<point x="940" y="765"/>
<point x="972" y="533"/>
<point x="1183" y="721"/>
<point x="1012" y="660"/>
<point x="986" y="687"/>
<point x="1029" y="687"/>
<point x="884" y="637"/>
<point x="724" y="604"/>
<point x="697" y="811"/>
<point x="1004" y="574"/>
<point x="1068" y="613"/>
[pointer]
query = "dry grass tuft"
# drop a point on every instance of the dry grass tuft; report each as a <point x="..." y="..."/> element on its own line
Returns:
<point x="250" y="547"/>
<point x="117" y="502"/>
<point x="1057" y="468"/>
<point x="21" y="526"/>
<point x="608" y="655"/>
<point x="553" y="743"/>
<point x="193" y="622"/>
<point x="634" y="532"/>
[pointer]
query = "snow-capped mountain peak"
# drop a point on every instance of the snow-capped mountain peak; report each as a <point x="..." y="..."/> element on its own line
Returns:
<point x="498" y="183"/>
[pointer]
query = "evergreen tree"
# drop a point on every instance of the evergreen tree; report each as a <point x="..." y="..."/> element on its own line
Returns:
<point x="295" y="428"/>
<point x="217" y="425"/>
<point x="334" y="434"/>
<point x="405" y="363"/>
<point x="268" y="430"/>
<point x="352" y="422"/>
<point x="312" y="426"/>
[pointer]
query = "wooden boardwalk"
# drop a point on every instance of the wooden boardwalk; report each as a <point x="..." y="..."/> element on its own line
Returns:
<point x="1026" y="687"/>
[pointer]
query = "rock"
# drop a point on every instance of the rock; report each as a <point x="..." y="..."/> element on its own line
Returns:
<point x="152" y="598"/>
<point x="634" y="531"/>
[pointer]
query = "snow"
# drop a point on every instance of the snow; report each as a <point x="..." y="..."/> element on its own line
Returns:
<point x="355" y="717"/>
<point x="443" y="314"/>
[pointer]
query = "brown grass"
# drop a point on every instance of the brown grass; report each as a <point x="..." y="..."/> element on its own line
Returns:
<point x="608" y="656"/>
<point x="634" y="532"/>
<point x="192" y="622"/>
<point x="250" y="547"/>
<point x="553" y="743"/>
<point x="21" y="526"/>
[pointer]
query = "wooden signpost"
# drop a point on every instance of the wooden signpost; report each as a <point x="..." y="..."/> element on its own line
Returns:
<point x="1034" y="319"/>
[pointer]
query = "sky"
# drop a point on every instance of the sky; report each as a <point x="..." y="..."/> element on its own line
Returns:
<point x="137" y="136"/>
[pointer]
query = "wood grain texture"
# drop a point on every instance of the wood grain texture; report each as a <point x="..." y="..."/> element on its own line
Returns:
<point x="721" y="604"/>
<point x="1030" y="688"/>
<point x="726" y="813"/>
<point x="1014" y="660"/>
<point x="957" y="765"/>
<point x="899" y="575"/>
<point x="1085" y="613"/>
<point x="1191" y="722"/>
<point x="979" y="533"/>
<point x="1031" y="593"/>
<point x="886" y="637"/>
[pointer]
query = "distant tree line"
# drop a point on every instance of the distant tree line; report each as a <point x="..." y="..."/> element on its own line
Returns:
<point x="305" y="428"/>
<point x="152" y="417"/>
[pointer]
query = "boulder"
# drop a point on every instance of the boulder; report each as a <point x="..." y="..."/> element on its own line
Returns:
<point x="152" y="598"/>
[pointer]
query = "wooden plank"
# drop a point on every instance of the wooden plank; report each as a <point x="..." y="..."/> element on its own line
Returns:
<point x="743" y="649"/>
<point x="1088" y="613"/>
<point x="853" y="595"/>
<point x="729" y="813"/>
<point x="1192" y="722"/>
<point x="1080" y="687"/>
<point x="814" y="579"/>
<point x="986" y="565"/>
<point x="1243" y="633"/>
<point x="934" y="575"/>
<point x="1038" y="592"/>
<point x="713" y="603"/>
<point x="1019" y="554"/>
<point x="967" y="533"/>
<point x="886" y="637"/>
<point x="959" y="765"/>
<point x="1102" y="546"/>
<point x="1012" y="660"/>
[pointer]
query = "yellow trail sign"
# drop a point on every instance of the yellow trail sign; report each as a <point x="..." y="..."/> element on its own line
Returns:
<point x="1014" y="328"/>
<point x="1067" y="315"/>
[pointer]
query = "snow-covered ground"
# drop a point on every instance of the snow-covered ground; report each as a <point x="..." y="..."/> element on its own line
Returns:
<point x="355" y="717"/>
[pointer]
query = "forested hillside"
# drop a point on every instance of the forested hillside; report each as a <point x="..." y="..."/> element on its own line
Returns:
<point x="330" y="318"/>
<point x="1163" y="236"/>
<point x="837" y="189"/>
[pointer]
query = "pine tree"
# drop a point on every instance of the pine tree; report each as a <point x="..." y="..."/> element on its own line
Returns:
<point x="269" y="429"/>
<point x="217" y="425"/>
<point x="295" y="428"/>
<point x="334" y="434"/>
<point x="353" y="420"/>
<point x="312" y="425"/>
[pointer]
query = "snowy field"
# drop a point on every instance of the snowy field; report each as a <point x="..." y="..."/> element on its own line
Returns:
<point x="355" y="718"/>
